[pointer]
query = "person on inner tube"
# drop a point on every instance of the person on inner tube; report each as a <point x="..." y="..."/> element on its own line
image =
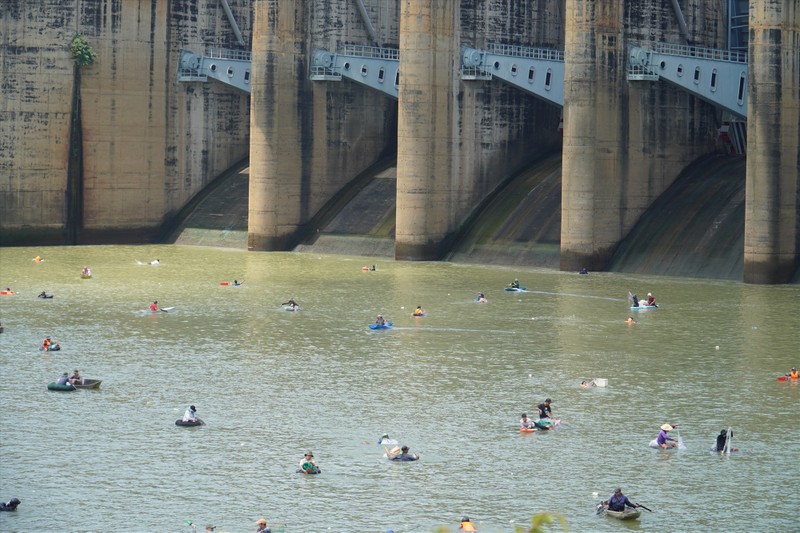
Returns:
<point x="307" y="464"/>
<point x="514" y="284"/>
<point x="10" y="505"/>
<point x="525" y="422"/>
<point x="404" y="456"/>
<point x="191" y="414"/>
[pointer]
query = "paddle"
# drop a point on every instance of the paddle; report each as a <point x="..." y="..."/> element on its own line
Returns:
<point x="643" y="507"/>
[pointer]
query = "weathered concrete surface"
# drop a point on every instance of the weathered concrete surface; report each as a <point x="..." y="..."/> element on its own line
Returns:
<point x="695" y="228"/>
<point x="218" y="215"/>
<point x="456" y="140"/>
<point x="772" y="228"/>
<point x="309" y="139"/>
<point x="624" y="142"/>
<point x="149" y="143"/>
<point x="518" y="225"/>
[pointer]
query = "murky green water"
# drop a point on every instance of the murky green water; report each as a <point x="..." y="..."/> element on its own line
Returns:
<point x="271" y="384"/>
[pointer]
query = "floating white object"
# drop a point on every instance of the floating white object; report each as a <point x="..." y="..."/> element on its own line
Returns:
<point x="601" y="382"/>
<point x="716" y="347"/>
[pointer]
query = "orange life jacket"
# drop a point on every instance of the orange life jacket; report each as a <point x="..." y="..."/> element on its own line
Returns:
<point x="467" y="526"/>
<point x="794" y="375"/>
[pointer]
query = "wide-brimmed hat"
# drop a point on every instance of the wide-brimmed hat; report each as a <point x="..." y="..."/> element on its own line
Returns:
<point x="309" y="454"/>
<point x="666" y="427"/>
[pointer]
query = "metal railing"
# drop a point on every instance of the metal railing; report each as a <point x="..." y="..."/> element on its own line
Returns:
<point x="475" y="73"/>
<point x="325" y="73"/>
<point x="716" y="54"/>
<point x="525" y="51"/>
<point x="640" y="72"/>
<point x="227" y="53"/>
<point x="373" y="52"/>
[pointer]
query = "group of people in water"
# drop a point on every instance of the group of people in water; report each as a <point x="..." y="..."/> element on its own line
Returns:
<point x="665" y="442"/>
<point x="49" y="346"/>
<point x="545" y="421"/>
<point x="650" y="302"/>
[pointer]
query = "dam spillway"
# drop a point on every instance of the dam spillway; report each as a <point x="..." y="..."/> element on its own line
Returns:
<point x="150" y="144"/>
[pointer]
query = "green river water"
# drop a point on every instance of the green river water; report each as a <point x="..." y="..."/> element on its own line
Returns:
<point x="271" y="384"/>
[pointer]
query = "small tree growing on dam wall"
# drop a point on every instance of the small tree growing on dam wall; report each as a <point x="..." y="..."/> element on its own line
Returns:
<point x="82" y="53"/>
<point x="83" y="56"/>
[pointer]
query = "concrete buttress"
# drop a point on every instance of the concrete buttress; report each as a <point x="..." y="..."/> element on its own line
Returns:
<point x="772" y="205"/>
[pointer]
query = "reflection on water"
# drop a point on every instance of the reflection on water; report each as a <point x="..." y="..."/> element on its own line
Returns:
<point x="272" y="384"/>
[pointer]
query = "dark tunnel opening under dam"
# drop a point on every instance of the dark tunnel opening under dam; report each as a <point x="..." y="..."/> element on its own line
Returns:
<point x="694" y="229"/>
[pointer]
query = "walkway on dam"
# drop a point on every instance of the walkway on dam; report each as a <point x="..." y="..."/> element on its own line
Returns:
<point x="695" y="229"/>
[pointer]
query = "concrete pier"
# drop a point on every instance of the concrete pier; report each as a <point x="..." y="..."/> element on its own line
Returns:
<point x="624" y="143"/>
<point x="280" y="119"/>
<point x="425" y="134"/>
<point x="308" y="139"/>
<point x="772" y="208"/>
<point x="458" y="140"/>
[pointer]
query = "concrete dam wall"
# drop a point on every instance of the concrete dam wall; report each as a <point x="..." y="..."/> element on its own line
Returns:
<point x="109" y="152"/>
<point x="457" y="140"/>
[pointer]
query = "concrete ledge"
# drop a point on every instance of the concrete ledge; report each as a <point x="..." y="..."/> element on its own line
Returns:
<point x="350" y="245"/>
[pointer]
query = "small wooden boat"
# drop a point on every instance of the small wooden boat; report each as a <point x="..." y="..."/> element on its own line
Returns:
<point x="628" y="514"/>
<point x="88" y="383"/>
<point x="66" y="387"/>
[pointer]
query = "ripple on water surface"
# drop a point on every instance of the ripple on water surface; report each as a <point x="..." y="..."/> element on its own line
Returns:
<point x="272" y="384"/>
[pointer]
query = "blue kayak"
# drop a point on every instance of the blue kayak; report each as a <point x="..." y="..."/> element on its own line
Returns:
<point x="387" y="325"/>
<point x="515" y="289"/>
<point x="644" y="307"/>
